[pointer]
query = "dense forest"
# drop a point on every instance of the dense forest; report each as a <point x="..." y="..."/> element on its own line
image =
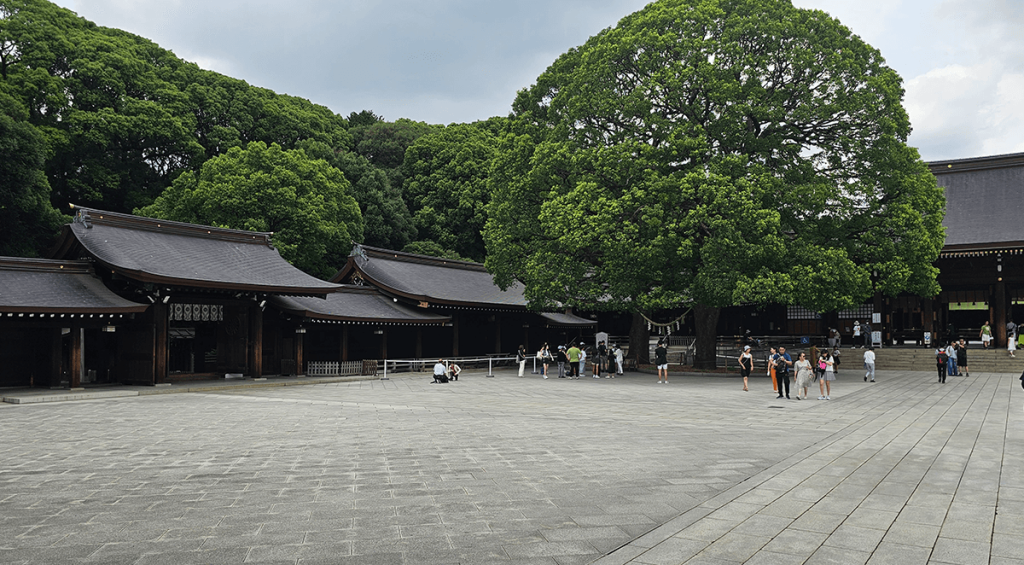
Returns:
<point x="102" y="118"/>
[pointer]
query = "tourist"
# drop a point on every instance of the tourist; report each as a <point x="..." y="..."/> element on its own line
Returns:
<point x="961" y="358"/>
<point x="602" y="358"/>
<point x="985" y="334"/>
<point x="869" y="364"/>
<point x="941" y="360"/>
<point x="821" y="364"/>
<point x="746" y="365"/>
<point x="440" y="372"/>
<point x="521" y="359"/>
<point x="782" y="363"/>
<point x="574" y="362"/>
<point x="454" y="371"/>
<point x="804" y="375"/>
<point x="1011" y="337"/>
<point x="951" y="359"/>
<point x="618" y="360"/>
<point x="856" y="334"/>
<point x="661" y="360"/>
<point x="835" y="360"/>
<point x="598" y="360"/>
<point x="561" y="359"/>
<point x="583" y="359"/>
<point x="866" y="328"/>
<point x="825" y="383"/>
<point x="771" y="367"/>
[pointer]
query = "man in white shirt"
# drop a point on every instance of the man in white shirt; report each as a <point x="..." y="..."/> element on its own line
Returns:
<point x="856" y="333"/>
<point x="440" y="374"/>
<point x="869" y="364"/>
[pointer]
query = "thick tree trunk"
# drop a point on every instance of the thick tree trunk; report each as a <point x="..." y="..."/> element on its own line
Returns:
<point x="639" y="340"/>
<point x="706" y="323"/>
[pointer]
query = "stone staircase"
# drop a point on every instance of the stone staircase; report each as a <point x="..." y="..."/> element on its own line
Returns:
<point x="923" y="359"/>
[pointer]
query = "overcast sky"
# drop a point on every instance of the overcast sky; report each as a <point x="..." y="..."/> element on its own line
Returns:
<point x="444" y="61"/>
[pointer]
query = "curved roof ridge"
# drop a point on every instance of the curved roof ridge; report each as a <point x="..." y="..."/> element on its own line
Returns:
<point x="416" y="258"/>
<point x="121" y="220"/>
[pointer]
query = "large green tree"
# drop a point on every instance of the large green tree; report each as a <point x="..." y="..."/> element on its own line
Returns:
<point x="305" y="202"/>
<point x="714" y="152"/>
<point x="446" y="185"/>
<point x="28" y="223"/>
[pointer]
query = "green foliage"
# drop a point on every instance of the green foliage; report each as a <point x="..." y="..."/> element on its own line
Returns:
<point x="305" y="202"/>
<point x="446" y="185"/>
<point x="721" y="151"/>
<point x="432" y="249"/>
<point x="28" y="223"/>
<point x="384" y="143"/>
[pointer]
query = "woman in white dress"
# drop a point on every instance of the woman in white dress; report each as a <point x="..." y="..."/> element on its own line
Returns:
<point x="804" y="375"/>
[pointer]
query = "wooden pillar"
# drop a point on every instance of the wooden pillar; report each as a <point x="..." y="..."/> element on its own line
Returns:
<point x="75" y="367"/>
<point x="455" y="334"/>
<point x="300" y="340"/>
<point x="497" y="333"/>
<point x="56" y="357"/>
<point x="255" y="342"/>
<point x="928" y="317"/>
<point x="344" y="343"/>
<point x="384" y="343"/>
<point x="419" y="343"/>
<point x="160" y="323"/>
<point x="999" y="323"/>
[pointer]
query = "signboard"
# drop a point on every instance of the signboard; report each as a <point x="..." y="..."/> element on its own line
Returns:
<point x="876" y="318"/>
<point x="876" y="339"/>
<point x="927" y="338"/>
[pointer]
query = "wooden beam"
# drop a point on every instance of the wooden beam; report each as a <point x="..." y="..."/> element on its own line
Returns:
<point x="300" y="340"/>
<point x="56" y="357"/>
<point x="999" y="324"/>
<point x="344" y="343"/>
<point x="75" y="368"/>
<point x="160" y="345"/>
<point x="255" y="342"/>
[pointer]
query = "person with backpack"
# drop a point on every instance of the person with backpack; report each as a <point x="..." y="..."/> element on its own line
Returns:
<point x="941" y="359"/>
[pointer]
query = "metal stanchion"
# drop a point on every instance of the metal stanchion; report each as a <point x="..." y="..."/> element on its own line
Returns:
<point x="490" y="374"/>
<point x="385" y="377"/>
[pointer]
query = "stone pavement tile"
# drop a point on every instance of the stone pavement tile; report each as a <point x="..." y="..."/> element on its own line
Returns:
<point x="707" y="529"/>
<point x="548" y="549"/>
<point x="965" y="530"/>
<point x="909" y="533"/>
<point x="1011" y="493"/>
<point x="815" y="521"/>
<point x="970" y="512"/>
<point x="855" y="537"/>
<point x="585" y="534"/>
<point x="897" y="554"/>
<point x="377" y="559"/>
<point x="736" y="511"/>
<point x="922" y="515"/>
<point x="1004" y="545"/>
<point x="735" y="547"/>
<point x="63" y="554"/>
<point x="770" y="558"/>
<point x="614" y="520"/>
<point x="261" y="553"/>
<point x="787" y="507"/>
<point x="885" y="502"/>
<point x="978" y="495"/>
<point x="763" y="525"/>
<point x="701" y="559"/>
<point x="212" y="557"/>
<point x="762" y="496"/>
<point x="868" y="518"/>
<point x="796" y="542"/>
<point x="834" y="505"/>
<point x="621" y="556"/>
<point x="828" y="555"/>
<point x="960" y="552"/>
<point x="1009" y="523"/>
<point x="671" y="552"/>
<point x="1006" y="561"/>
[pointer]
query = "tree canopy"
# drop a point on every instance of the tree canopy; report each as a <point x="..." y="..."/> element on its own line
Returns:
<point x="718" y="152"/>
<point x="305" y="202"/>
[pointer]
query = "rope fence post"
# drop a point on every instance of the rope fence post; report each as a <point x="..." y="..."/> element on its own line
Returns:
<point x="490" y="374"/>
<point x="385" y="377"/>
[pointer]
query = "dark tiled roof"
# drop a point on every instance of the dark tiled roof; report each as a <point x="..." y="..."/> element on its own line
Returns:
<point x="356" y="304"/>
<point x="565" y="320"/>
<point x="179" y="254"/>
<point x="57" y="287"/>
<point x="984" y="202"/>
<point x="430" y="279"/>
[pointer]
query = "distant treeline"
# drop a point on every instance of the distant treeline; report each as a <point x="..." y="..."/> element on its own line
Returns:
<point x="103" y="118"/>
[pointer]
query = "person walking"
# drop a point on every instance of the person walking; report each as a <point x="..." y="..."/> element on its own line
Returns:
<point x="746" y="365"/>
<point x="951" y="356"/>
<point x="835" y="360"/>
<point x="573" y="354"/>
<point x="961" y="358"/>
<point x="1011" y="337"/>
<point x="804" y="375"/>
<point x="782" y="364"/>
<point x="985" y="334"/>
<point x="521" y="359"/>
<point x="618" y="360"/>
<point x="829" y="375"/>
<point x="661" y="360"/>
<point x="869" y="364"/>
<point x="545" y="359"/>
<point x="941" y="360"/>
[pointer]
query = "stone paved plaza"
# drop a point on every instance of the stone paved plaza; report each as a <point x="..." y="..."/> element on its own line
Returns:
<point x="522" y="471"/>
